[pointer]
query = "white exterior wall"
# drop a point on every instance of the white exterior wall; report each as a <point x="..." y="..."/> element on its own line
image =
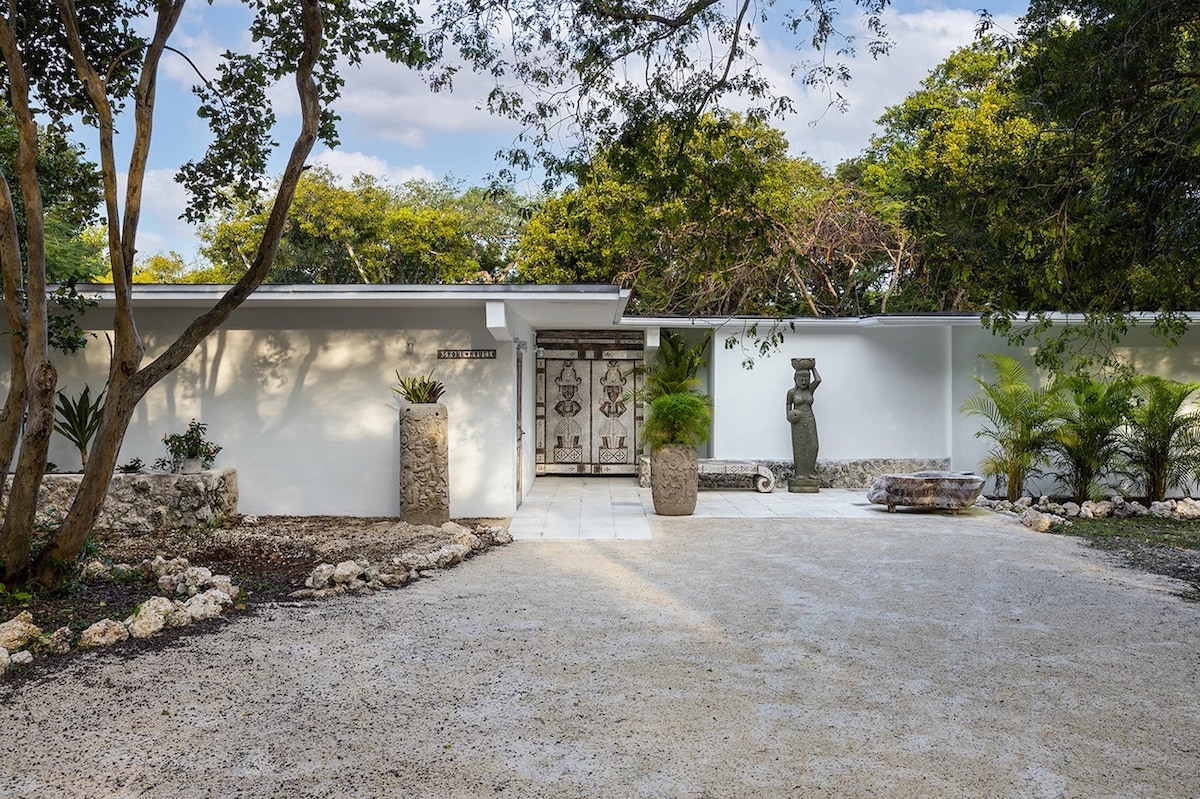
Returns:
<point x="884" y="393"/>
<point x="300" y="400"/>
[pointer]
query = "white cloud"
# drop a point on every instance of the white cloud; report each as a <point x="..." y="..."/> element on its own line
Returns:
<point x="390" y="102"/>
<point x="922" y="41"/>
<point x="345" y="165"/>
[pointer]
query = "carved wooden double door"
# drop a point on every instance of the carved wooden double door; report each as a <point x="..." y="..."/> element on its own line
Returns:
<point x="589" y="420"/>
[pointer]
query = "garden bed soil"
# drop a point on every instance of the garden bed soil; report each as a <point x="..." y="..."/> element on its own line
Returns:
<point x="1159" y="546"/>
<point x="268" y="557"/>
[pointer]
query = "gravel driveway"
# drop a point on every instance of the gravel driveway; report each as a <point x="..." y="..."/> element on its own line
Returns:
<point x="910" y="656"/>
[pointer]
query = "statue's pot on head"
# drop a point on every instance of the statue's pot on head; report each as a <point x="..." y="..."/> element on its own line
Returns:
<point x="804" y="424"/>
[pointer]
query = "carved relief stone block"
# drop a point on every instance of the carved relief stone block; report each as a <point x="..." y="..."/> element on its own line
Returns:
<point x="674" y="480"/>
<point x="424" y="464"/>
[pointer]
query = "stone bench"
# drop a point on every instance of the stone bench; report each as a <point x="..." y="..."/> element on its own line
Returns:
<point x="723" y="474"/>
<point x="731" y="472"/>
<point x="950" y="491"/>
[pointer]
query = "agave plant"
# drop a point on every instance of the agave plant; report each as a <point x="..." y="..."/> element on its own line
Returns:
<point x="1019" y="419"/>
<point x="1162" y="440"/>
<point x="1088" y="438"/>
<point x="419" y="390"/>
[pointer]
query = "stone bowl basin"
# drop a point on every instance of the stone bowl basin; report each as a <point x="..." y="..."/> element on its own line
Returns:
<point x="951" y="491"/>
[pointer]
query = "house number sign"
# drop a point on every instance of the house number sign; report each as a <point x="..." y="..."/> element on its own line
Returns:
<point x="466" y="354"/>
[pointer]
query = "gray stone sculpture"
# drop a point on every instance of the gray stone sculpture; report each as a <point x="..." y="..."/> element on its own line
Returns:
<point x="804" y="427"/>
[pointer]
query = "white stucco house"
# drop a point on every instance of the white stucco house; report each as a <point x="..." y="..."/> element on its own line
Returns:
<point x="296" y="387"/>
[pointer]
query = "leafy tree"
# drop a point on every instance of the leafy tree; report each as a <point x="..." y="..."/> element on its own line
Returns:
<point x="1162" y="442"/>
<point x="1112" y="87"/>
<point x="1088" y="436"/>
<point x="1030" y="189"/>
<point x="1019" y="420"/>
<point x="622" y="70"/>
<point x="369" y="232"/>
<point x="953" y="154"/>
<point x="744" y="229"/>
<point x="90" y="61"/>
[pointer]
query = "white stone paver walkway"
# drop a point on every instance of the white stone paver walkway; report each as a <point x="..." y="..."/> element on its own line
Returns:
<point x="577" y="508"/>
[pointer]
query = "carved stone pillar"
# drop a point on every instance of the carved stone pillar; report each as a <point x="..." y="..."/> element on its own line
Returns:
<point x="424" y="464"/>
<point x="674" y="480"/>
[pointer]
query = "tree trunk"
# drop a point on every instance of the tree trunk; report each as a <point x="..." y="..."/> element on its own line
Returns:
<point x="16" y="536"/>
<point x="13" y="413"/>
<point x="55" y="561"/>
<point x="127" y="382"/>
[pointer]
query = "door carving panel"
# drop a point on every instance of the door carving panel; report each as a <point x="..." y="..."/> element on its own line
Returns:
<point x="588" y="418"/>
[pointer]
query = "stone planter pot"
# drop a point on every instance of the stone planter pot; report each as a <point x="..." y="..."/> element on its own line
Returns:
<point x="191" y="466"/>
<point x="674" y="480"/>
<point x="424" y="464"/>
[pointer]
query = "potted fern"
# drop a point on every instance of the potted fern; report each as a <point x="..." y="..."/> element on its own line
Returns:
<point x="678" y="423"/>
<point x="424" y="450"/>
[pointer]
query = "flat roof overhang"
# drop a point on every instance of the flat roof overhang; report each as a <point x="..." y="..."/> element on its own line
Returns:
<point x="542" y="307"/>
<point x="570" y="306"/>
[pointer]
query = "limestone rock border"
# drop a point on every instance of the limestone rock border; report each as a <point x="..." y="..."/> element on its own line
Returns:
<point x="198" y="594"/>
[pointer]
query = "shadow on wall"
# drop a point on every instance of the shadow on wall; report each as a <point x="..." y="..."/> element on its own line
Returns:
<point x="302" y="405"/>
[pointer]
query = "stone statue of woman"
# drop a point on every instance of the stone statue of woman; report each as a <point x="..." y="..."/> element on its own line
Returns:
<point x="804" y="427"/>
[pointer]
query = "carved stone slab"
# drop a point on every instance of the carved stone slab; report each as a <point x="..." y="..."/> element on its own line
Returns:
<point x="763" y="478"/>
<point x="424" y="464"/>
<point x="946" y="490"/>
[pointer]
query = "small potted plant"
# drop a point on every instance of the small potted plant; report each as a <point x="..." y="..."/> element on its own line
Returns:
<point x="678" y="423"/>
<point x="190" y="452"/>
<point x="424" y="451"/>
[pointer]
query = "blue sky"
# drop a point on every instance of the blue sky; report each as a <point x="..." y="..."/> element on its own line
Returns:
<point x="394" y="128"/>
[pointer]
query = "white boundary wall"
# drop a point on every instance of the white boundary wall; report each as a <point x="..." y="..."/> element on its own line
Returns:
<point x="299" y="394"/>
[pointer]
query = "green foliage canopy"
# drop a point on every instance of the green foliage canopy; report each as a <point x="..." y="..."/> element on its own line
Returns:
<point x="370" y="232"/>
<point x="722" y="222"/>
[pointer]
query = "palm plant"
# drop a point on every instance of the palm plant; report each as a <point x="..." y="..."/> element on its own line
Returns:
<point x="1162" y="440"/>
<point x="675" y="367"/>
<point x="1019" y="419"/>
<point x="1088" y="438"/>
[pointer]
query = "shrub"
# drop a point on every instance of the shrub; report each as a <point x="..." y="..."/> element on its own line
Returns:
<point x="681" y="418"/>
<point x="189" y="445"/>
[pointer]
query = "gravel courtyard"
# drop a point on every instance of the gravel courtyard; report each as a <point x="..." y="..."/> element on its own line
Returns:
<point x="914" y="655"/>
